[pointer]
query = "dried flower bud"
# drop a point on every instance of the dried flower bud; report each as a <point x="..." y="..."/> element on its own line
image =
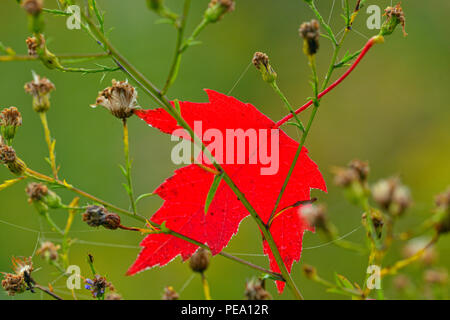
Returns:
<point x="10" y="120"/>
<point x="217" y="9"/>
<point x="33" y="7"/>
<point x="36" y="46"/>
<point x="48" y="251"/>
<point x="9" y="158"/>
<point x="97" y="286"/>
<point x="13" y="284"/>
<point x="361" y="167"/>
<point x="391" y="195"/>
<point x="113" y="296"/>
<point x="436" y="276"/>
<point x="413" y="246"/>
<point x="111" y="221"/>
<point x="309" y="271"/>
<point x="40" y="90"/>
<point x="315" y="215"/>
<point x="170" y="294"/>
<point x="96" y="216"/>
<point x="344" y="177"/>
<point x="261" y="62"/>
<point x="395" y="16"/>
<point x="255" y="290"/>
<point x="199" y="261"/>
<point x="36" y="191"/>
<point x="310" y="32"/>
<point x="119" y="99"/>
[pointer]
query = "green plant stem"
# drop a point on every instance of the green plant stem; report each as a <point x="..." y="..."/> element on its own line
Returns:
<point x="173" y="73"/>
<point x="60" y="56"/>
<point x="205" y="286"/>
<point x="275" y="87"/>
<point x="202" y="25"/>
<point x="152" y="91"/>
<point x="313" y="7"/>
<point x="126" y="150"/>
<point x="41" y="177"/>
<point x="53" y="224"/>
<point x="50" y="143"/>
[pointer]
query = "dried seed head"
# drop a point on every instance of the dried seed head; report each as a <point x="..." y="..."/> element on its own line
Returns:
<point x="48" y="251"/>
<point x="9" y="158"/>
<point x="36" y="191"/>
<point x="33" y="45"/>
<point x="96" y="216"/>
<point x="361" y="167"/>
<point x="119" y="99"/>
<point x="97" y="286"/>
<point x="40" y="89"/>
<point x="395" y="16"/>
<point x="199" y="261"/>
<point x="315" y="215"/>
<point x="309" y="271"/>
<point x="310" y="32"/>
<point x="377" y="221"/>
<point x="7" y="154"/>
<point x="217" y="9"/>
<point x="391" y="195"/>
<point x="436" y="276"/>
<point x="415" y="245"/>
<point x="344" y="177"/>
<point x="255" y="290"/>
<point x="33" y="7"/>
<point x="10" y="117"/>
<point x="261" y="62"/>
<point x="13" y="283"/>
<point x="111" y="221"/>
<point x="170" y="294"/>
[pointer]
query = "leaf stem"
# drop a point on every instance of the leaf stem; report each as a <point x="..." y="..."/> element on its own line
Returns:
<point x="275" y="87"/>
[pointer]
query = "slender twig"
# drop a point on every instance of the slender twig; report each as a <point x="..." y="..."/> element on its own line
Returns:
<point x="50" y="143"/>
<point x="127" y="171"/>
<point x="138" y="217"/>
<point x="275" y="87"/>
<point x="47" y="291"/>
<point x="59" y="56"/>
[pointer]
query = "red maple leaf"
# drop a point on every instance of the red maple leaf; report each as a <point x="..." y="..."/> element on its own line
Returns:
<point x="185" y="193"/>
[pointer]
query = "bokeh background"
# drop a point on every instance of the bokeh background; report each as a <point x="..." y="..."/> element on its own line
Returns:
<point x="393" y="111"/>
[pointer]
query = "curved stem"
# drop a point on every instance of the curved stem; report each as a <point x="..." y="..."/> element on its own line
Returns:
<point x="127" y="172"/>
<point x="366" y="49"/>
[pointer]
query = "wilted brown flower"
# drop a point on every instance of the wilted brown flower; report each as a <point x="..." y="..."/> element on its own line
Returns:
<point x="119" y="99"/>
<point x="98" y="286"/>
<point x="13" y="284"/>
<point x="33" y="7"/>
<point x="10" y="117"/>
<point x="391" y="195"/>
<point x="48" y="251"/>
<point x="170" y="294"/>
<point x="7" y="154"/>
<point x="255" y="290"/>
<point x="261" y="62"/>
<point x="397" y="16"/>
<point x="315" y="215"/>
<point x="96" y="216"/>
<point x="310" y="33"/>
<point x="32" y="45"/>
<point x="199" y="261"/>
<point x="36" y="191"/>
<point x="40" y="89"/>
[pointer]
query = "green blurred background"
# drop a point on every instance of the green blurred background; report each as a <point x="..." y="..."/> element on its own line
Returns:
<point x="393" y="111"/>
